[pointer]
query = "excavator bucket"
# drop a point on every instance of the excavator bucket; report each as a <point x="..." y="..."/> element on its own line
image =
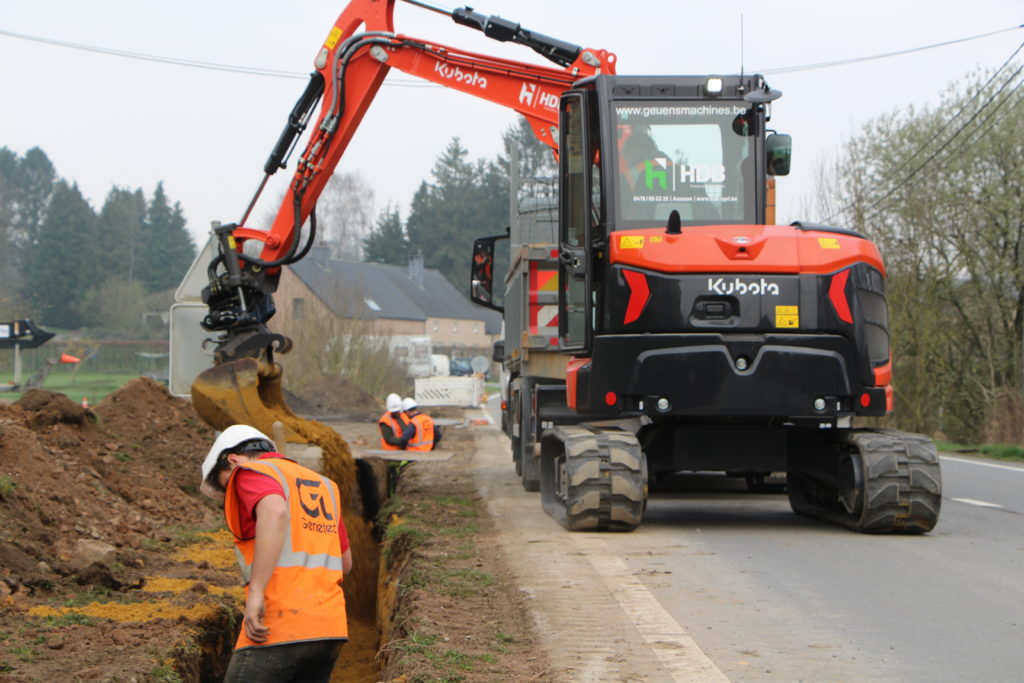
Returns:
<point x="247" y="391"/>
<point x="241" y="392"/>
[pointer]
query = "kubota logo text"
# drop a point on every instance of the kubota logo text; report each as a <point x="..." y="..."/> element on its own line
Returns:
<point x="457" y="74"/>
<point x="719" y="285"/>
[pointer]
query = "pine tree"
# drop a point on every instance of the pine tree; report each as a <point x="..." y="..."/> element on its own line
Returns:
<point x="167" y="249"/>
<point x="119" y="240"/>
<point x="26" y="185"/>
<point x="387" y="242"/>
<point x="465" y="201"/>
<point x="56" y="268"/>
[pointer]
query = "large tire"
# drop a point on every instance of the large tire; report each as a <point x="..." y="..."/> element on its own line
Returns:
<point x="529" y="463"/>
<point x="885" y="482"/>
<point x="594" y="480"/>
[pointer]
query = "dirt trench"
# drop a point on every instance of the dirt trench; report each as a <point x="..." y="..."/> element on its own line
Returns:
<point x="114" y="568"/>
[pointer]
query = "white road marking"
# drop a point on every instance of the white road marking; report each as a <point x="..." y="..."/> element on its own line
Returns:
<point x="980" y="463"/>
<point x="978" y="503"/>
<point x="674" y="648"/>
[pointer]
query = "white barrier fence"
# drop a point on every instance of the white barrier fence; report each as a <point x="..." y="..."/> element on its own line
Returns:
<point x="449" y="391"/>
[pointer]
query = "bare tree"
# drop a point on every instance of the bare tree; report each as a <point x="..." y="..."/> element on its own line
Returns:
<point x="345" y="216"/>
<point x="942" y="194"/>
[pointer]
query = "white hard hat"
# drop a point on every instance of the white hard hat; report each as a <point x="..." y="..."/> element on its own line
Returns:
<point x="394" y="403"/>
<point x="408" y="403"/>
<point x="231" y="437"/>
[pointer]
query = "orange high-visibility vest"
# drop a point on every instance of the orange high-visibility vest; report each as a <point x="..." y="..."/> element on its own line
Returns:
<point x="423" y="440"/>
<point x="397" y="426"/>
<point x="304" y="600"/>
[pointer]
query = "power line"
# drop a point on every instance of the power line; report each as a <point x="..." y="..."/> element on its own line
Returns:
<point x="258" y="71"/>
<point x="883" y="55"/>
<point x="192" y="63"/>
<point x="881" y="200"/>
<point x="935" y="136"/>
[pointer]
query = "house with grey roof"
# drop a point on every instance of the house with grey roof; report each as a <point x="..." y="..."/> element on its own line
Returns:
<point x="399" y="300"/>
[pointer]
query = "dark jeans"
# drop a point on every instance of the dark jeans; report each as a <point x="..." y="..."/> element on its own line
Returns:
<point x="308" y="662"/>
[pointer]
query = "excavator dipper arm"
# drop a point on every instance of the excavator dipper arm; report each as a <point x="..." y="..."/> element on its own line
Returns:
<point x="360" y="49"/>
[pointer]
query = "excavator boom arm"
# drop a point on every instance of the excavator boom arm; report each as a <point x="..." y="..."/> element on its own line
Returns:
<point x="351" y="67"/>
<point x="360" y="48"/>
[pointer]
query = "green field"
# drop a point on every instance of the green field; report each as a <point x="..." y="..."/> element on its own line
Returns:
<point x="90" y="385"/>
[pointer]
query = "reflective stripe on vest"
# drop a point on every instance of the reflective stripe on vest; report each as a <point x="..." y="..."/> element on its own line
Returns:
<point x="397" y="426"/>
<point x="423" y="440"/>
<point x="303" y="597"/>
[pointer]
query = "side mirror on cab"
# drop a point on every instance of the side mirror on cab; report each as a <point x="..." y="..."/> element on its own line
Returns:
<point x="481" y="286"/>
<point x="778" y="151"/>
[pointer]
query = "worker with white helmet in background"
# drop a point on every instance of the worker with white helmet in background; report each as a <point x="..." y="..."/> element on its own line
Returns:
<point x="293" y="551"/>
<point x="427" y="434"/>
<point x="395" y="427"/>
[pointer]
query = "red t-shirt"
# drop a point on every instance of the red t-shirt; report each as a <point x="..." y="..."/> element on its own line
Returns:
<point x="251" y="487"/>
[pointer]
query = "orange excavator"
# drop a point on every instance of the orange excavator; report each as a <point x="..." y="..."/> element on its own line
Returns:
<point x="687" y="331"/>
<point x="244" y="385"/>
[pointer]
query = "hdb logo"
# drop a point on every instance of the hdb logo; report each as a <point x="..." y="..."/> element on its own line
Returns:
<point x="529" y="94"/>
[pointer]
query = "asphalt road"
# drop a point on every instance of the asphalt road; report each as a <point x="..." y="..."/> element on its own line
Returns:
<point x="762" y="594"/>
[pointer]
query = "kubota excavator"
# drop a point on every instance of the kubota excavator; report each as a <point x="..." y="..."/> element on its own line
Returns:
<point x="694" y="336"/>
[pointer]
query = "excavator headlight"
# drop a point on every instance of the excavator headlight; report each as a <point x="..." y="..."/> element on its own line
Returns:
<point x="713" y="86"/>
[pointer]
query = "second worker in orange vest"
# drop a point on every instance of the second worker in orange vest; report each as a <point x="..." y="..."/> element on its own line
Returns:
<point x="427" y="435"/>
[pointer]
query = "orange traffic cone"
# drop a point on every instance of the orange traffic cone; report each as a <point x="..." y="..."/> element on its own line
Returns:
<point x="85" y="403"/>
<point x="68" y="358"/>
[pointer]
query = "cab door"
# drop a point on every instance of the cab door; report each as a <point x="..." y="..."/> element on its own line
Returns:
<point x="575" y="277"/>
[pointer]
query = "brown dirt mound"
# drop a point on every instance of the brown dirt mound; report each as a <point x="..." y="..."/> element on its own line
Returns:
<point x="92" y="507"/>
<point x="47" y="408"/>
<point x="172" y="437"/>
<point x="333" y="395"/>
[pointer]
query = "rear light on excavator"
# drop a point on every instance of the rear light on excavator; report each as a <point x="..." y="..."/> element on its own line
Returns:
<point x="639" y="293"/>
<point x="837" y="295"/>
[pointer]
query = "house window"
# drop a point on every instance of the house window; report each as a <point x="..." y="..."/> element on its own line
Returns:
<point x="455" y="327"/>
<point x="298" y="307"/>
<point x="476" y="328"/>
<point x="435" y="326"/>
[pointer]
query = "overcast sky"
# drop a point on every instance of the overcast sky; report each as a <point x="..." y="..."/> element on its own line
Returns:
<point x="107" y="120"/>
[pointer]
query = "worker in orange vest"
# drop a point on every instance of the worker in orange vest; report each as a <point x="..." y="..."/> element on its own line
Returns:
<point x="395" y="428"/>
<point x="293" y="559"/>
<point x="427" y="435"/>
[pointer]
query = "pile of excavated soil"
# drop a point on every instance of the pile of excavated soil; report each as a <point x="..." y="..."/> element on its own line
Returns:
<point x="113" y="567"/>
<point x="96" y="509"/>
<point x="337" y="396"/>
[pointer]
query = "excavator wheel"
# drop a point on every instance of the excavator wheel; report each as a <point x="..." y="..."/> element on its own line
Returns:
<point x="593" y="480"/>
<point x="885" y="481"/>
<point x="528" y="464"/>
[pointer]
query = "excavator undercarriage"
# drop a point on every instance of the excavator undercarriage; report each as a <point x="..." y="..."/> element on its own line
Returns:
<point x="868" y="480"/>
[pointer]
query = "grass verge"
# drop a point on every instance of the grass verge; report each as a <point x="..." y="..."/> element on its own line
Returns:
<point x="444" y="588"/>
<point x="994" y="451"/>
